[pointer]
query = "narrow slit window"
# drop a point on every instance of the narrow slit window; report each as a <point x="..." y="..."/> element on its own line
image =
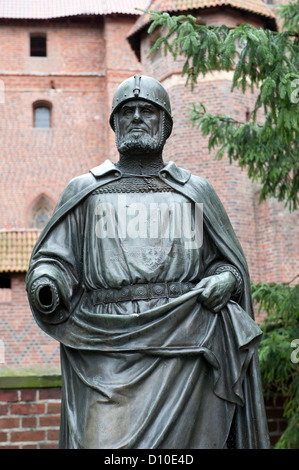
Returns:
<point x="38" y="45"/>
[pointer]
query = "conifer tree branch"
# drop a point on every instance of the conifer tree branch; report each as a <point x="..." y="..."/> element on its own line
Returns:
<point x="262" y="60"/>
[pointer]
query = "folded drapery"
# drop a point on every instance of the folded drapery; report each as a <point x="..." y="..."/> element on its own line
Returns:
<point x="119" y="368"/>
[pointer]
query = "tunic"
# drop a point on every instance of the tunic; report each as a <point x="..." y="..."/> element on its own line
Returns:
<point x="143" y="373"/>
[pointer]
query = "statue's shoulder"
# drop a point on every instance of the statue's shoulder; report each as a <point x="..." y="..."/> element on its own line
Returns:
<point x="75" y="186"/>
<point x="199" y="180"/>
<point x="184" y="176"/>
<point x="200" y="183"/>
<point x="79" y="183"/>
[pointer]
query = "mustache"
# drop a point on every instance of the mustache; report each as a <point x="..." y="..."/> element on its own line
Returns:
<point x="133" y="128"/>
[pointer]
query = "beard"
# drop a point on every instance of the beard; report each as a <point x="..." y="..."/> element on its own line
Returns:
<point x="135" y="144"/>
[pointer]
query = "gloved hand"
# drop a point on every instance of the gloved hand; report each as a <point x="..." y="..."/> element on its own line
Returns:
<point x="216" y="290"/>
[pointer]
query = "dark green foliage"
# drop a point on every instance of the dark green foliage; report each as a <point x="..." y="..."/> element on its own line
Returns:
<point x="290" y="15"/>
<point x="279" y="353"/>
<point x="261" y="60"/>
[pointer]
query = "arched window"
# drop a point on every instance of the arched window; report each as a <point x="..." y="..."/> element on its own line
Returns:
<point x="40" y="212"/>
<point x="42" y="114"/>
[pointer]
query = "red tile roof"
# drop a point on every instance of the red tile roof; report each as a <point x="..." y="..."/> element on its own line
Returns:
<point x="174" y="6"/>
<point x="15" y="249"/>
<point x="46" y="9"/>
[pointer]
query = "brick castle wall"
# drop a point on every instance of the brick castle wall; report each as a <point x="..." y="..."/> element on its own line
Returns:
<point x="85" y="62"/>
<point x="29" y="418"/>
<point x="71" y="78"/>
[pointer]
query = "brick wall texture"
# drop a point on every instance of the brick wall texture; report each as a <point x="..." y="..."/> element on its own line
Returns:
<point x="86" y="60"/>
<point x="29" y="418"/>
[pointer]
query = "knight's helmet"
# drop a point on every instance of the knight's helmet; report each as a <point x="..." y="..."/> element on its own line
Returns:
<point x="145" y="88"/>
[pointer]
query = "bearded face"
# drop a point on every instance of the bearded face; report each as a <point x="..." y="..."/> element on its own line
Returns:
<point x="138" y="128"/>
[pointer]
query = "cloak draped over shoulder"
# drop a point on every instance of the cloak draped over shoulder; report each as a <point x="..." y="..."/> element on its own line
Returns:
<point x="154" y="374"/>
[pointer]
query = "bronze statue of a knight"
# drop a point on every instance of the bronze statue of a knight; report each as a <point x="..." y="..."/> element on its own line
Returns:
<point x="140" y="277"/>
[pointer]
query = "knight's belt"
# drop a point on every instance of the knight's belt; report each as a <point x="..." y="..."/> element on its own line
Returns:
<point x="140" y="292"/>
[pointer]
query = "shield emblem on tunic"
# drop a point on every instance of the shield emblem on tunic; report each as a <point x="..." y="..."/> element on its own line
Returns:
<point x="152" y="257"/>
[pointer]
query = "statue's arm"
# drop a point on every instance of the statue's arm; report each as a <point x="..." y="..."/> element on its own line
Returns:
<point x="52" y="282"/>
<point x="231" y="272"/>
<point x="221" y="282"/>
<point x="54" y="273"/>
<point x="216" y="290"/>
<point x="44" y="295"/>
<point x="222" y="279"/>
